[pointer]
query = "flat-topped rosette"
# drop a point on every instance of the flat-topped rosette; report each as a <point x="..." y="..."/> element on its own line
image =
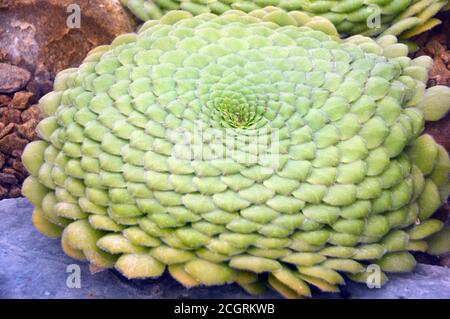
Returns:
<point x="240" y="148"/>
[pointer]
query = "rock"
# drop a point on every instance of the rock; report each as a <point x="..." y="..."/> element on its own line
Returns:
<point x="37" y="40"/>
<point x="12" y="142"/>
<point x="33" y="266"/>
<point x="9" y="115"/>
<point x="7" y="179"/>
<point x="20" y="100"/>
<point x="27" y="129"/>
<point x="6" y="129"/>
<point x="4" y="100"/>
<point x="3" y="193"/>
<point x="32" y="112"/>
<point x="45" y="37"/>
<point x="18" y="166"/>
<point x="12" y="78"/>
<point x="27" y="257"/>
<point x="14" y="192"/>
<point x="436" y="44"/>
<point x="426" y="282"/>
<point x="18" y="121"/>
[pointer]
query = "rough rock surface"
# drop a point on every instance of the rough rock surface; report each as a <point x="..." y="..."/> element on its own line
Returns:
<point x="12" y="78"/>
<point x="44" y="37"/>
<point x="18" y="120"/>
<point x="436" y="43"/>
<point x="32" y="266"/>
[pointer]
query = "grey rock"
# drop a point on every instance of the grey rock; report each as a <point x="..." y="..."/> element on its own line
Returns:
<point x="12" y="78"/>
<point x="33" y="266"/>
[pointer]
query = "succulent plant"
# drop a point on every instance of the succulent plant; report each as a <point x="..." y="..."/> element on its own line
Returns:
<point x="405" y="18"/>
<point x="240" y="148"/>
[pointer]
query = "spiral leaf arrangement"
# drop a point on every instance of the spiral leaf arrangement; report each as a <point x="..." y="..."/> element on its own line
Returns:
<point x="247" y="147"/>
<point x="405" y="18"/>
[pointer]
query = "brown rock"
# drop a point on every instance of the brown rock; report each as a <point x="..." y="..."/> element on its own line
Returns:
<point x="445" y="56"/>
<point x="11" y="171"/>
<point x="12" y="142"/>
<point x="33" y="112"/>
<point x="435" y="48"/>
<point x="12" y="78"/>
<point x="6" y="130"/>
<point x="442" y="38"/>
<point x="4" y="100"/>
<point x="18" y="167"/>
<point x="28" y="129"/>
<point x="38" y="37"/>
<point x="2" y="160"/>
<point x="17" y="154"/>
<point x="20" y="100"/>
<point x="440" y="74"/>
<point x="36" y="43"/>
<point x="15" y="192"/>
<point x="8" y="179"/>
<point x="436" y="44"/>
<point x="8" y="115"/>
<point x="3" y="192"/>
